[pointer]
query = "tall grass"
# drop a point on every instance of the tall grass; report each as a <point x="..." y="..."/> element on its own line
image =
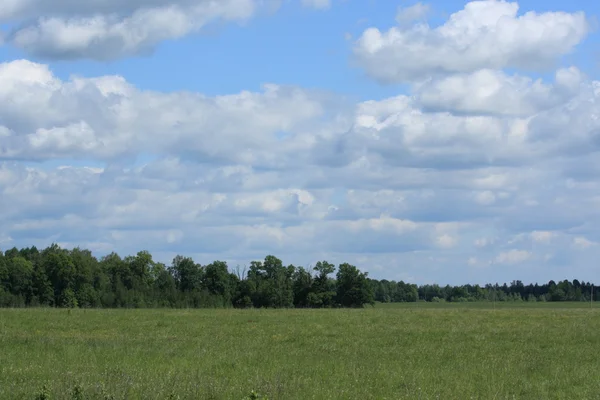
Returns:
<point x="411" y="352"/>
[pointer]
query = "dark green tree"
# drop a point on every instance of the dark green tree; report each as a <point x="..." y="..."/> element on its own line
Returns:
<point x="187" y="274"/>
<point x="324" y="291"/>
<point x="218" y="281"/>
<point x="303" y="287"/>
<point x="62" y="275"/>
<point x="271" y="283"/>
<point x="353" y="288"/>
<point x="20" y="280"/>
<point x="165" y="287"/>
<point x="3" y="271"/>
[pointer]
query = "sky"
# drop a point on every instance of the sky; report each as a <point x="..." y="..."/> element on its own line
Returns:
<point x="446" y="141"/>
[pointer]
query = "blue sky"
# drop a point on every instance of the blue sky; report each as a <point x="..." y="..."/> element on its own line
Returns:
<point x="446" y="142"/>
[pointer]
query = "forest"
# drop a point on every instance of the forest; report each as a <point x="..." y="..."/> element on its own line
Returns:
<point x="57" y="277"/>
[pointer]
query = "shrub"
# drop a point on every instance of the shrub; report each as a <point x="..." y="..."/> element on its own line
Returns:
<point x="77" y="393"/>
<point x="68" y="299"/>
<point x="43" y="394"/>
<point x="255" y="396"/>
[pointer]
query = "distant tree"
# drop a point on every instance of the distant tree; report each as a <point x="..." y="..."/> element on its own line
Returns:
<point x="120" y="281"/>
<point x="42" y="287"/>
<point x="324" y="290"/>
<point x="68" y="299"/>
<point x="556" y="293"/>
<point x="62" y="274"/>
<point x="381" y="290"/>
<point x="75" y="278"/>
<point x="20" y="277"/>
<point x="187" y="274"/>
<point x="271" y="283"/>
<point x="405" y="293"/>
<point x="458" y="293"/>
<point x="428" y="292"/>
<point x="303" y="287"/>
<point x="12" y="253"/>
<point x="324" y="269"/>
<point x="218" y="281"/>
<point x="141" y="266"/>
<point x="353" y="289"/>
<point x="165" y="287"/>
<point x="31" y="254"/>
<point x="3" y="272"/>
<point x="86" y="269"/>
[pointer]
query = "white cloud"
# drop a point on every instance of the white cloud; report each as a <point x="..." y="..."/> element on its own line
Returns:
<point x="106" y="118"/>
<point x="195" y="218"/>
<point x="513" y="256"/>
<point x="399" y="132"/>
<point x="318" y="4"/>
<point x="108" y="29"/>
<point x="109" y="36"/>
<point x="446" y="241"/>
<point x="412" y="13"/>
<point x="485" y="34"/>
<point x="378" y="183"/>
<point x="581" y="242"/>
<point x="491" y="92"/>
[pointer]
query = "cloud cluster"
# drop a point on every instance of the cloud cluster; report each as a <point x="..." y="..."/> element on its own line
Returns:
<point x="108" y="29"/>
<point x="485" y="34"/>
<point x="302" y="174"/>
<point x="106" y="118"/>
<point x="492" y="92"/>
<point x="475" y="175"/>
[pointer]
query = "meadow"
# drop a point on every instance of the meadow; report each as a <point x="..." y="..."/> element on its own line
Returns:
<point x="397" y="351"/>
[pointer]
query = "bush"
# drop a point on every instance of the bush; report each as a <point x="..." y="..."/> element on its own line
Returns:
<point x="43" y="394"/>
<point x="68" y="299"/>
<point x="244" y="302"/>
<point x="77" y="393"/>
<point x="255" y="396"/>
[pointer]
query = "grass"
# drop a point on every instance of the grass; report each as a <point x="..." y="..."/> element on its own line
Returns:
<point x="418" y="351"/>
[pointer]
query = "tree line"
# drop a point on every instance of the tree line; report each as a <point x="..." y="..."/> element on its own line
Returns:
<point x="57" y="277"/>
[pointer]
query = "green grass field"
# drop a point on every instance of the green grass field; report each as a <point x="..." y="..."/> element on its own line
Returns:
<point x="416" y="351"/>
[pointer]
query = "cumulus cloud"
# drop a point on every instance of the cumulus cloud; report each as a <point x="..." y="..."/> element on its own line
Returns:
<point x="486" y="92"/>
<point x="107" y="29"/>
<point x="488" y="34"/>
<point x="412" y="13"/>
<point x="196" y="218"/>
<point x="398" y="132"/>
<point x="304" y="175"/>
<point x="107" y="118"/>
